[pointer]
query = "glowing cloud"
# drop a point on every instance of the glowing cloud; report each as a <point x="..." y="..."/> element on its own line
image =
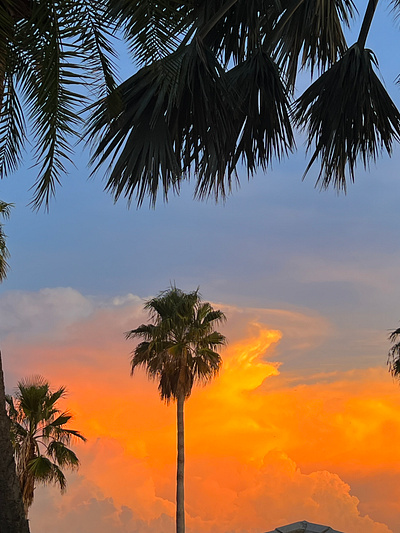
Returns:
<point x="264" y="447"/>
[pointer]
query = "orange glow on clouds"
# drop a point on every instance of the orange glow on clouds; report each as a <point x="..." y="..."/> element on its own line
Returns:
<point x="264" y="447"/>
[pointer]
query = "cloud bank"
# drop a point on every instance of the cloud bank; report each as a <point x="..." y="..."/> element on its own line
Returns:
<point x="265" y="445"/>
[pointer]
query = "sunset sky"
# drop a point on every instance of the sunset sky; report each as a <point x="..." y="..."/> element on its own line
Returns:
<point x="303" y="422"/>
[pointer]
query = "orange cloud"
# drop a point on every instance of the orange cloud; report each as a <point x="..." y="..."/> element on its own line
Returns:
<point x="264" y="447"/>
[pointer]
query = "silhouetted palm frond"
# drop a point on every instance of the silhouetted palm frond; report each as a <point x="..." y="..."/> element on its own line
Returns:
<point x="261" y="111"/>
<point x="173" y="122"/>
<point x="48" y="51"/>
<point x="311" y="33"/>
<point x="349" y="116"/>
<point x="152" y="28"/>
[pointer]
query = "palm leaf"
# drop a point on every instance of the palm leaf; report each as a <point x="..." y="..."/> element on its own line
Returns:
<point x="261" y="111"/>
<point x="233" y="29"/>
<point x="63" y="456"/>
<point x="206" y="365"/>
<point x="44" y="471"/>
<point x="311" y="31"/>
<point x="48" y="94"/>
<point x="62" y="419"/>
<point x="31" y="393"/>
<point x="48" y="50"/>
<point x="93" y="32"/>
<point x="12" y="128"/>
<point x="349" y="116"/>
<point x="173" y="123"/>
<point x="53" y="397"/>
<point x="153" y="29"/>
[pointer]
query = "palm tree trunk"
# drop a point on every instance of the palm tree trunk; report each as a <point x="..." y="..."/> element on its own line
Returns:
<point x="12" y="515"/>
<point x="180" y="470"/>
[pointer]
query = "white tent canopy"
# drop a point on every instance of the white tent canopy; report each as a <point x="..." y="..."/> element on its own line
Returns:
<point x="304" y="527"/>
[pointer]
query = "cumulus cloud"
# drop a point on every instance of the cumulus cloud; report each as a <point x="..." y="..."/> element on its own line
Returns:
<point x="41" y="314"/>
<point x="265" y="446"/>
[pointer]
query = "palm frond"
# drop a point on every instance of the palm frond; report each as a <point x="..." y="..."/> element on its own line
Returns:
<point x="62" y="419"/>
<point x="153" y="29"/>
<point x="48" y="51"/>
<point x="5" y="209"/>
<point x="206" y="364"/>
<point x="63" y="456"/>
<point x="349" y="116"/>
<point x="53" y="397"/>
<point x="4" y="253"/>
<point x="311" y="32"/>
<point x="12" y="128"/>
<point x="260" y="105"/>
<point x="94" y="35"/>
<point x="173" y="123"/>
<point x="137" y="141"/>
<point x="145" y="331"/>
<point x="233" y="29"/>
<point x="44" y="471"/>
<point x="30" y="394"/>
<point x="209" y="315"/>
<point x="50" y="94"/>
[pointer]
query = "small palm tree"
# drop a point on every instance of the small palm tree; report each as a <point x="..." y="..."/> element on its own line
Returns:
<point x="394" y="354"/>
<point x="40" y="437"/>
<point x="178" y="349"/>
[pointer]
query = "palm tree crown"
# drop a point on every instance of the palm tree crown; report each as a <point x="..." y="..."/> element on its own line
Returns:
<point x="40" y="436"/>
<point x="179" y="348"/>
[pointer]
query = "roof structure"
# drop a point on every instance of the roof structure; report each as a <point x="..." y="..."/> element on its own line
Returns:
<point x="304" y="527"/>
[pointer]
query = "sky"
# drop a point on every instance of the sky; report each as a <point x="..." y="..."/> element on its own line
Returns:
<point x="303" y="422"/>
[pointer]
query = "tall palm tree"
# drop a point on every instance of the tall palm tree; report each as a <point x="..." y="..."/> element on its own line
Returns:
<point x="178" y="348"/>
<point x="40" y="436"/>
<point x="216" y="88"/>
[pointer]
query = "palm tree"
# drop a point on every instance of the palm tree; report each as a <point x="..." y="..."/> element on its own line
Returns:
<point x="12" y="517"/>
<point x="40" y="436"/>
<point x="178" y="349"/>
<point x="216" y="87"/>
<point x="394" y="354"/>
